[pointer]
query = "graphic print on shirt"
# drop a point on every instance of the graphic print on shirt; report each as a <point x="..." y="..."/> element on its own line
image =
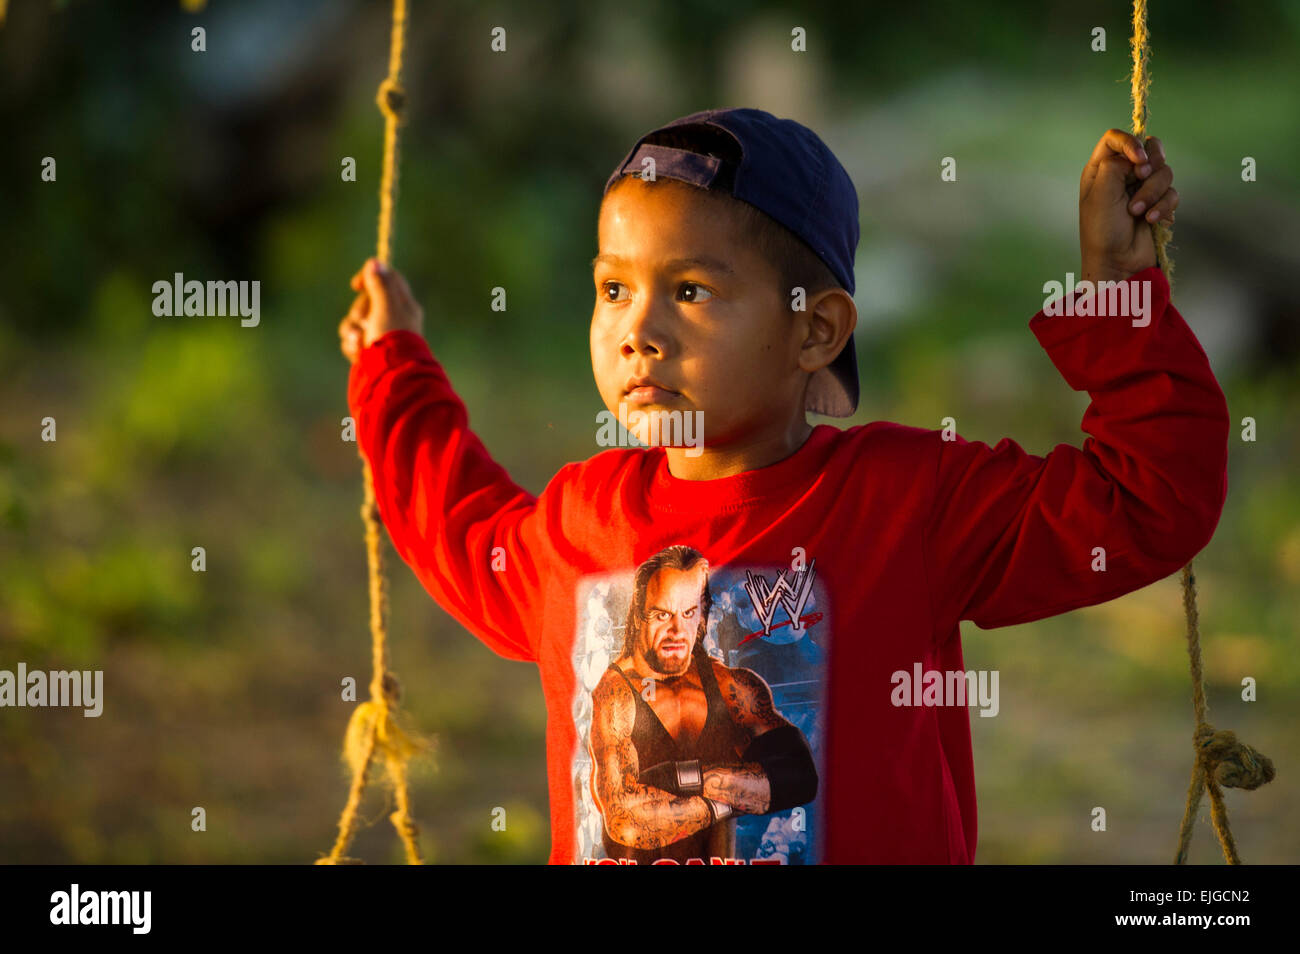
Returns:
<point x="700" y="712"/>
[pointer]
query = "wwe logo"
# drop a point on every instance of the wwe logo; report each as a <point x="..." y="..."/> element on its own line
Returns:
<point x="793" y="595"/>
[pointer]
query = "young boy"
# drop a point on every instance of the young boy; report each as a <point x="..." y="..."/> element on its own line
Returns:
<point x="750" y="648"/>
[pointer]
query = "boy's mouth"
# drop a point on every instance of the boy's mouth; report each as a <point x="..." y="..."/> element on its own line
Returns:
<point x="646" y="390"/>
<point x="650" y="395"/>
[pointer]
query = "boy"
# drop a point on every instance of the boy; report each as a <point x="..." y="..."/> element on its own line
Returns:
<point x="728" y="635"/>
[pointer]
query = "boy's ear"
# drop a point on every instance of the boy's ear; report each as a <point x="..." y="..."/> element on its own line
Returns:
<point x="831" y="318"/>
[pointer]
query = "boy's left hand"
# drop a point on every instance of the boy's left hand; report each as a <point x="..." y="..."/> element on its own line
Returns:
<point x="1114" y="233"/>
<point x="384" y="303"/>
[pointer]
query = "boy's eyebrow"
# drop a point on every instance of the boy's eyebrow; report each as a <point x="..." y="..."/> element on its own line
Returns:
<point x="695" y="261"/>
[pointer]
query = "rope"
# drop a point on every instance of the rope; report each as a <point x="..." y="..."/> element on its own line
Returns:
<point x="1141" y="82"/>
<point x="1221" y="760"/>
<point x="391" y="100"/>
<point x="373" y="731"/>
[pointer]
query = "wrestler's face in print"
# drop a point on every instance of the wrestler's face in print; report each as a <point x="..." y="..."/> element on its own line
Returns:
<point x="673" y="609"/>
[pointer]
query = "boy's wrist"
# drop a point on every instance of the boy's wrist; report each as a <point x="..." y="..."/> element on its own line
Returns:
<point x="388" y="331"/>
<point x="1095" y="272"/>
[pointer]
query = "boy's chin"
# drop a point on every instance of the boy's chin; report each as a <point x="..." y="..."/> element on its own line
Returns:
<point x="678" y="424"/>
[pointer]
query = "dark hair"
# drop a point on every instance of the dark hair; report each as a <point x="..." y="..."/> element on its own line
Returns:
<point x="794" y="262"/>
<point x="670" y="558"/>
<point x="790" y="257"/>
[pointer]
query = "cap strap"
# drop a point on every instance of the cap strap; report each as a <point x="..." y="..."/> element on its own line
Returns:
<point x="675" y="163"/>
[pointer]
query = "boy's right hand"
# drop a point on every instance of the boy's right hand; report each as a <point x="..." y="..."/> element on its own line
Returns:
<point x="384" y="304"/>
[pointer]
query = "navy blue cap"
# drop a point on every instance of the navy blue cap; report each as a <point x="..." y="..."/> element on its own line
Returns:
<point x="783" y="169"/>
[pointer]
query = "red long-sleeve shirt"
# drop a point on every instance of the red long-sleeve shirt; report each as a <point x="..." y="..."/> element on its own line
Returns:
<point x="910" y="534"/>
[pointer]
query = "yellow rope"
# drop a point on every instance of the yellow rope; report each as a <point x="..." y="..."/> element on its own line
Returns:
<point x="373" y="730"/>
<point x="1141" y="82"/>
<point x="391" y="100"/>
<point x="1221" y="760"/>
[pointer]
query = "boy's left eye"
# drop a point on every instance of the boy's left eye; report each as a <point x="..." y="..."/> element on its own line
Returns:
<point x="699" y="288"/>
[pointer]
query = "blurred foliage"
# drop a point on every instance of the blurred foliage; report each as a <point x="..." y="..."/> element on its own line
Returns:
<point x="223" y="688"/>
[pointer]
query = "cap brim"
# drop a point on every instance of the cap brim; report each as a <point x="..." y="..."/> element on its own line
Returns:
<point x="833" y="391"/>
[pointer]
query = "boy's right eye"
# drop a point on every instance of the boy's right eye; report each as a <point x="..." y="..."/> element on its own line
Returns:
<point x="605" y="286"/>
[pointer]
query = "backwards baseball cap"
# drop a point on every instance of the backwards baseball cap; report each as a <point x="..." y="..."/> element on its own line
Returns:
<point x="783" y="169"/>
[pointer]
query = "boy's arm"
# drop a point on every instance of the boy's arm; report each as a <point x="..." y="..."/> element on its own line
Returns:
<point x="470" y="534"/>
<point x="1013" y="537"/>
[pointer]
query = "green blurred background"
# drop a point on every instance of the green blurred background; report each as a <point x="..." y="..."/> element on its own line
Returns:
<point x="222" y="688"/>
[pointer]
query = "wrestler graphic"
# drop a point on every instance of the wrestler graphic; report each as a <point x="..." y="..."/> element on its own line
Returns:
<point x="670" y="771"/>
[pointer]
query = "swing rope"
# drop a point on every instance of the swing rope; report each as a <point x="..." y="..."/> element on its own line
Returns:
<point x="373" y="730"/>
<point x="1221" y="760"/>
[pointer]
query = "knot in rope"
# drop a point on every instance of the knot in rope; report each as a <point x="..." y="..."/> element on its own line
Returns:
<point x="391" y="99"/>
<point x="372" y="732"/>
<point x="1231" y="762"/>
<point x="392" y="688"/>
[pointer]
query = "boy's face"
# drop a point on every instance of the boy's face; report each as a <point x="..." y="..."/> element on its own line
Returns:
<point x="683" y="300"/>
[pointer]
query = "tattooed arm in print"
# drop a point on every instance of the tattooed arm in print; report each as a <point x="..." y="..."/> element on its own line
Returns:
<point x="782" y="773"/>
<point x="640" y="816"/>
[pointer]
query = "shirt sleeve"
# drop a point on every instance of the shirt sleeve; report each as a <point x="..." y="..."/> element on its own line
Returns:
<point x="470" y="534"/>
<point x="1013" y="537"/>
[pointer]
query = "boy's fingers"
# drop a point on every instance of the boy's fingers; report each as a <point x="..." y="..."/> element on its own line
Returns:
<point x="355" y="281"/>
<point x="1156" y="150"/>
<point x="403" y="289"/>
<point x="1127" y="145"/>
<point x="1118" y="142"/>
<point x="401" y="282"/>
<point x="1164" y="209"/>
<point x="376" y="286"/>
<point x="358" y="280"/>
<point x="351" y="342"/>
<point x="351" y="339"/>
<point x="1155" y="159"/>
<point x="1110" y="180"/>
<point x="1156" y="185"/>
<point x="359" y="306"/>
<point x="1113" y="144"/>
<point x="404" y="292"/>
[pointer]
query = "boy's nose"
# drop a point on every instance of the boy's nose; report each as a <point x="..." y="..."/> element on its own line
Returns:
<point x="645" y="333"/>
